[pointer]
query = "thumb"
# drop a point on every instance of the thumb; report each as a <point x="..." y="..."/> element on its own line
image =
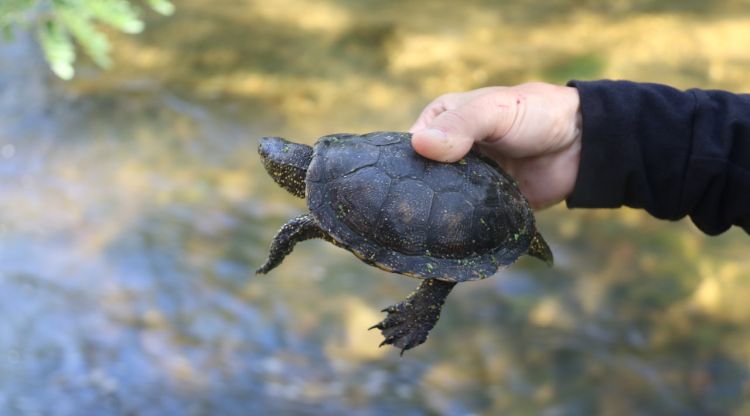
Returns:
<point x="450" y="135"/>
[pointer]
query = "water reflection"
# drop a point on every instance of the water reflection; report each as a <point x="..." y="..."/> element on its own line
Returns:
<point x="133" y="210"/>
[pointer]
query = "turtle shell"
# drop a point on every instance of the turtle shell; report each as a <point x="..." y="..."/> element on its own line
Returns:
<point x="407" y="214"/>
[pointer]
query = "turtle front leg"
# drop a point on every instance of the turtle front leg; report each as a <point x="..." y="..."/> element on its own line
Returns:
<point x="409" y="322"/>
<point x="295" y="230"/>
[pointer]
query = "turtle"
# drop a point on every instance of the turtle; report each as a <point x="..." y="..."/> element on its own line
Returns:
<point x="373" y="195"/>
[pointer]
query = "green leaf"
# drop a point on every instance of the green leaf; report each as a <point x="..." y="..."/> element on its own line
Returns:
<point x="11" y="11"/>
<point x="58" y="48"/>
<point x="164" y="7"/>
<point x="8" y="7"/>
<point x="93" y="42"/>
<point x="116" y="13"/>
<point x="60" y="23"/>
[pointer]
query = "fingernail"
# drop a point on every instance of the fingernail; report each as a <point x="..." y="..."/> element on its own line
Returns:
<point x="435" y="135"/>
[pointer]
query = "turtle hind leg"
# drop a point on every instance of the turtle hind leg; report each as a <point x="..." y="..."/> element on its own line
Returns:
<point x="295" y="230"/>
<point x="540" y="249"/>
<point x="409" y="322"/>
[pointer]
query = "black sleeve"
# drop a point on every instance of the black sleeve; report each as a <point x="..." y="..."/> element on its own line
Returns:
<point x="671" y="152"/>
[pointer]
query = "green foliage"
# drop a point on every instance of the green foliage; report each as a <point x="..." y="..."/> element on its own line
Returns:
<point x="10" y="11"/>
<point x="60" y="23"/>
<point x="162" y="6"/>
<point x="58" y="48"/>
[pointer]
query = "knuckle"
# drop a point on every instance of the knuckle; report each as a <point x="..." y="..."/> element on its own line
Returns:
<point x="445" y="101"/>
<point x="454" y="119"/>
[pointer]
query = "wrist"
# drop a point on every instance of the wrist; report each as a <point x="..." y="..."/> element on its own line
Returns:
<point x="572" y="114"/>
<point x="572" y="153"/>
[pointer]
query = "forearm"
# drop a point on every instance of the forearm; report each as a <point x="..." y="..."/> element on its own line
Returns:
<point x="671" y="152"/>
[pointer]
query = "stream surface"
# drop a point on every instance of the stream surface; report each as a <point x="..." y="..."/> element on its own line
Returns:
<point x="134" y="209"/>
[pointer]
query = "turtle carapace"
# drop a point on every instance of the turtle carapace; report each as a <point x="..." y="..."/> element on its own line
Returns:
<point x="373" y="195"/>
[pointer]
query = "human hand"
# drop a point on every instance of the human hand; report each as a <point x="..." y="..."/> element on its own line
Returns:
<point x="532" y="130"/>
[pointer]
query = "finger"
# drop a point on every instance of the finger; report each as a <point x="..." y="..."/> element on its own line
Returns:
<point x="427" y="115"/>
<point x="430" y="112"/>
<point x="450" y="134"/>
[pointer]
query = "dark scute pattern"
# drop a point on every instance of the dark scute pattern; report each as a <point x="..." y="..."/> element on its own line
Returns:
<point x="315" y="197"/>
<point x="316" y="170"/>
<point x="488" y="231"/>
<point x="315" y="187"/>
<point x="379" y="138"/>
<point x="451" y="214"/>
<point x="346" y="156"/>
<point x="359" y="197"/>
<point x="402" y="222"/>
<point x="484" y="182"/>
<point x="486" y="223"/>
<point x="337" y="137"/>
<point x="402" y="162"/>
<point x="444" y="178"/>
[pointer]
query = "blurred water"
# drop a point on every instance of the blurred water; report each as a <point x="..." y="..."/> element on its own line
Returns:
<point x="133" y="211"/>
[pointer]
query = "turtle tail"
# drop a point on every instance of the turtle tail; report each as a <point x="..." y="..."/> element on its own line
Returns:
<point x="540" y="249"/>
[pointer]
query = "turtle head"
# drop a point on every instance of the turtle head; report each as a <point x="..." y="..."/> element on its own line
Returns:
<point x="286" y="162"/>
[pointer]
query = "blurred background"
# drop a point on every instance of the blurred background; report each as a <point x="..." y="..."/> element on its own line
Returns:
<point x="133" y="211"/>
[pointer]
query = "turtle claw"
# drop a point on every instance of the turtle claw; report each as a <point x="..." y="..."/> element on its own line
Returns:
<point x="409" y="322"/>
<point x="378" y="325"/>
<point x="388" y="340"/>
<point x="405" y="327"/>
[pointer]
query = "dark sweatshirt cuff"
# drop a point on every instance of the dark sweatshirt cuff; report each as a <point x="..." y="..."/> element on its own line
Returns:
<point x="635" y="146"/>
<point x="671" y="152"/>
<point x="601" y="178"/>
